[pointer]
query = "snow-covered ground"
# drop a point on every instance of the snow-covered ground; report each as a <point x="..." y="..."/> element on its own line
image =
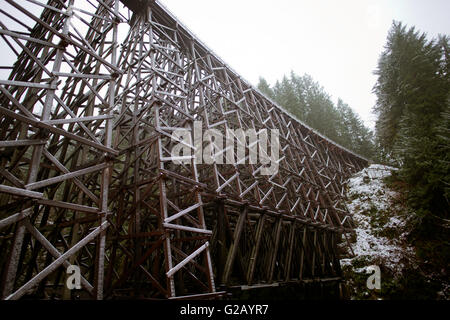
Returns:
<point x="380" y="222"/>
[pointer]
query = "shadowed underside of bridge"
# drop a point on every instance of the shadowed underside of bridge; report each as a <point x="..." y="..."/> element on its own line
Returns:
<point x="87" y="177"/>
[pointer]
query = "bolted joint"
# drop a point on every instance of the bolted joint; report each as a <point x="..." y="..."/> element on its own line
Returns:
<point x="109" y="157"/>
<point x="63" y="44"/>
<point x="115" y="75"/>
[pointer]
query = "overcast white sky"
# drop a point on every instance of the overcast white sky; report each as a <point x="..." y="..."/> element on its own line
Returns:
<point x="337" y="42"/>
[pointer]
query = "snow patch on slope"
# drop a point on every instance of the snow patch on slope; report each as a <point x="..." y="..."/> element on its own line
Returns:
<point x="372" y="206"/>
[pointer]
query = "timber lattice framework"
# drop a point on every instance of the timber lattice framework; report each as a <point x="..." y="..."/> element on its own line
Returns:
<point x="86" y="178"/>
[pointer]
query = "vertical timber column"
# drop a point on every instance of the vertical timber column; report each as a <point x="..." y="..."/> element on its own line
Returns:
<point x="290" y="250"/>
<point x="162" y="184"/>
<point x="201" y="216"/>
<point x="254" y="254"/>
<point x="335" y="252"/>
<point x="221" y="239"/>
<point x="107" y="172"/>
<point x="313" y="273"/>
<point x="14" y="255"/>
<point x="163" y="208"/>
<point x="274" y="252"/>
<point x="234" y="246"/>
<point x="140" y="25"/>
<point x="302" y="252"/>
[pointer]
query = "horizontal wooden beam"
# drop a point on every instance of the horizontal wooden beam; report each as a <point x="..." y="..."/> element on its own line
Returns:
<point x="21" y="192"/>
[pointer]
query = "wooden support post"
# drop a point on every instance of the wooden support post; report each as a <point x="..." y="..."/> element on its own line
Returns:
<point x="274" y="251"/>
<point x="234" y="246"/>
<point x="302" y="254"/>
<point x="221" y="240"/>
<point x="314" y="246"/>
<point x="290" y="249"/>
<point x="254" y="254"/>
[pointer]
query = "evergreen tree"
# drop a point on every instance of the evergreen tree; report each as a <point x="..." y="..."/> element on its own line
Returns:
<point x="286" y="97"/>
<point x="352" y="132"/>
<point x="412" y="98"/>
<point x="265" y="88"/>
<point x="443" y="165"/>
<point x="406" y="83"/>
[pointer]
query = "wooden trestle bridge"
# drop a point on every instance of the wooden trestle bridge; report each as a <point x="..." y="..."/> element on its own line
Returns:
<point x="89" y="98"/>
